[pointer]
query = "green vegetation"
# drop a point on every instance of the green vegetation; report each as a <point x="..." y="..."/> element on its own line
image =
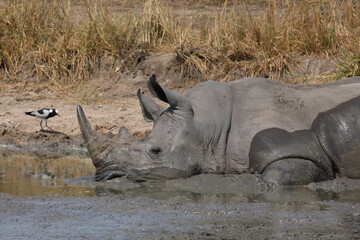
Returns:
<point x="53" y="43"/>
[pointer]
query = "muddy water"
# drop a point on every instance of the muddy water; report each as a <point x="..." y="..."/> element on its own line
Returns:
<point x="24" y="174"/>
<point x="36" y="174"/>
<point x="53" y="197"/>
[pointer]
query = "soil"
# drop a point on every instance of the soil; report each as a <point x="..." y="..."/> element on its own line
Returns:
<point x="22" y="130"/>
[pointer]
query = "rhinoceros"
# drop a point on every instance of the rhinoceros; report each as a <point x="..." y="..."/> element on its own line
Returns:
<point x="210" y="129"/>
<point x="329" y="148"/>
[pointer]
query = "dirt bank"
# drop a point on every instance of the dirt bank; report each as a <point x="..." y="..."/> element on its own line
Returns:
<point x="22" y="130"/>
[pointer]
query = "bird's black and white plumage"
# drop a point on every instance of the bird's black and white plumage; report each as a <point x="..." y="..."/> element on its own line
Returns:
<point x="44" y="114"/>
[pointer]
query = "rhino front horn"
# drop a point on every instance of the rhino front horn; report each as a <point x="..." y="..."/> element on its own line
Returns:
<point x="96" y="144"/>
<point x="84" y="124"/>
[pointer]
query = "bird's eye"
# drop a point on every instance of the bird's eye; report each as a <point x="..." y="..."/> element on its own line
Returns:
<point x="155" y="150"/>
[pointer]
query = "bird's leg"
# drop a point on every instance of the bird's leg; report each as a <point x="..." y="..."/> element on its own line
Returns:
<point x="48" y="126"/>
<point x="41" y="125"/>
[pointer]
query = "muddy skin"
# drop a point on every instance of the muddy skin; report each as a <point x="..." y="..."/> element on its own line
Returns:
<point x="206" y="130"/>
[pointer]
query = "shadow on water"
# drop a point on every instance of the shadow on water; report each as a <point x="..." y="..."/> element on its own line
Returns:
<point x="38" y="174"/>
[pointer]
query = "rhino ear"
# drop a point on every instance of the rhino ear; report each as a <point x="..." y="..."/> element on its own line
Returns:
<point x="150" y="110"/>
<point x="176" y="100"/>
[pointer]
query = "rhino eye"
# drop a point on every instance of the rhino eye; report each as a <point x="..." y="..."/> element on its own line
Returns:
<point x="155" y="150"/>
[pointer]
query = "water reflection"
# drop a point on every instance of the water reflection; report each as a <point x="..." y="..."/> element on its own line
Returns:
<point x="36" y="175"/>
<point x="25" y="174"/>
<point x="298" y="198"/>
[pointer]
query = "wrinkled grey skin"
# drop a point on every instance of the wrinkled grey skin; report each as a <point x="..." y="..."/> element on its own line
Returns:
<point x="208" y="129"/>
<point x="330" y="147"/>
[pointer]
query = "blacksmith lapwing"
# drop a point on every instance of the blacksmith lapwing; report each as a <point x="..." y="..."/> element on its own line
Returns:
<point x="44" y="114"/>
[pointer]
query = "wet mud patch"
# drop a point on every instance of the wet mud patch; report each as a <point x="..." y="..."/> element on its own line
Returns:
<point x="40" y="173"/>
<point x="118" y="217"/>
<point x="51" y="196"/>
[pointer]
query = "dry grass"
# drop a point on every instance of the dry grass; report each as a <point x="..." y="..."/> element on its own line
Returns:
<point x="40" y="42"/>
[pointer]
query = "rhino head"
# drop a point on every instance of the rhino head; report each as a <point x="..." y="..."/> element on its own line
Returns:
<point x="171" y="150"/>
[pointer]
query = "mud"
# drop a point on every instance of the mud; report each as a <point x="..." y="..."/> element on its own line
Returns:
<point x="53" y="197"/>
<point x="121" y="217"/>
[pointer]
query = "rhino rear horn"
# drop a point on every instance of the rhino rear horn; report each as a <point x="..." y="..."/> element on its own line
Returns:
<point x="176" y="100"/>
<point x="150" y="110"/>
<point x="124" y="134"/>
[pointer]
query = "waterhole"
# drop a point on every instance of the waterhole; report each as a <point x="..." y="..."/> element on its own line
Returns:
<point x="39" y="174"/>
<point x="25" y="174"/>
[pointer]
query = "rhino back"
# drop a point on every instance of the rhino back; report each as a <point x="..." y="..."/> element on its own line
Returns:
<point x="259" y="104"/>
